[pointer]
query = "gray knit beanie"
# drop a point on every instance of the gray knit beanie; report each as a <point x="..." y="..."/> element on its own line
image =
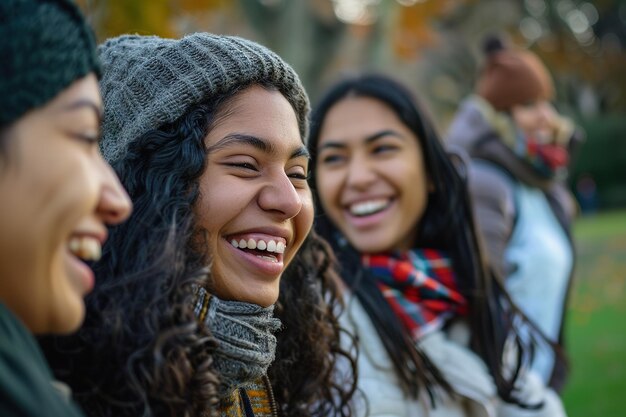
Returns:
<point x="150" y="81"/>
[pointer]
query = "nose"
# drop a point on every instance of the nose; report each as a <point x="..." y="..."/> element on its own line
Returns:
<point x="360" y="174"/>
<point x="114" y="205"/>
<point x="280" y="196"/>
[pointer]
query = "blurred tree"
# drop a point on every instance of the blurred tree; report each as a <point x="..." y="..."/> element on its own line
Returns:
<point x="306" y="33"/>
<point x="432" y="45"/>
<point x="114" y="17"/>
<point x="145" y="17"/>
<point x="603" y="159"/>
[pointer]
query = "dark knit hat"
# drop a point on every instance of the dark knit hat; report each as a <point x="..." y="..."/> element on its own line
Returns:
<point x="45" y="45"/>
<point x="149" y="81"/>
<point x="512" y="77"/>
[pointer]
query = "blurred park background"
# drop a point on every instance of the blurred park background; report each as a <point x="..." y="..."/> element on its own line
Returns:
<point x="434" y="46"/>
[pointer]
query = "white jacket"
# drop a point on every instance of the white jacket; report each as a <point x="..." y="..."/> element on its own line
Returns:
<point x="379" y="393"/>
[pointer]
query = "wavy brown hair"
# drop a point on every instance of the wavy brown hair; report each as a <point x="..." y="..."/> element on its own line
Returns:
<point x="141" y="351"/>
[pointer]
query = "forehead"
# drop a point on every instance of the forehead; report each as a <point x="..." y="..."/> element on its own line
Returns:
<point x="261" y="113"/>
<point x="354" y="118"/>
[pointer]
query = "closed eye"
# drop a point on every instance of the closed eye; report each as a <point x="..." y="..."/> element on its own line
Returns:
<point x="243" y="165"/>
<point x="89" y="139"/>
<point x="299" y="176"/>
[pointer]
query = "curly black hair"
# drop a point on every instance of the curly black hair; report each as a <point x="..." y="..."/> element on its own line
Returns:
<point x="306" y="375"/>
<point x="141" y="351"/>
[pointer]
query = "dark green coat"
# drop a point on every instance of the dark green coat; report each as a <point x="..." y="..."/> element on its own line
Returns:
<point x="25" y="378"/>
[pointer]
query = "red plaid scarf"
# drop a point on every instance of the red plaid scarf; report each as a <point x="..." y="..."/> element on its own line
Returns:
<point x="420" y="287"/>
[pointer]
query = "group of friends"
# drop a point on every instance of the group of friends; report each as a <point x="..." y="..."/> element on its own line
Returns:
<point x="181" y="236"/>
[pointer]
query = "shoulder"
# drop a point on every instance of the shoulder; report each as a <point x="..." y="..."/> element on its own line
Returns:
<point x="467" y="126"/>
<point x="488" y="181"/>
<point x="19" y="351"/>
<point x="379" y="393"/>
<point x="462" y="367"/>
<point x="25" y="379"/>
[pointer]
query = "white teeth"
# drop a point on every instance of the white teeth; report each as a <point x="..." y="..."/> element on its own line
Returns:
<point x="74" y="245"/>
<point x="368" y="207"/>
<point x="271" y="246"/>
<point x="96" y="250"/>
<point x="86" y="248"/>
<point x="280" y="247"/>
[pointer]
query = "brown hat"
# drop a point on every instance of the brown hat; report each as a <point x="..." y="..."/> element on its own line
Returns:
<point x="511" y="77"/>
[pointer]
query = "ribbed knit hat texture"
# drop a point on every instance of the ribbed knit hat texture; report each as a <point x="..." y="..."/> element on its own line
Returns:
<point x="45" y="45"/>
<point x="513" y="77"/>
<point x="150" y="81"/>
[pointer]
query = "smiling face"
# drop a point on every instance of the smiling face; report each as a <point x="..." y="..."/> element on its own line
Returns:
<point x="255" y="207"/>
<point x="537" y="120"/>
<point x="60" y="195"/>
<point x="371" y="177"/>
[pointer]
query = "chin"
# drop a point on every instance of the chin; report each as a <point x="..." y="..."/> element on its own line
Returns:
<point x="72" y="316"/>
<point x="262" y="298"/>
<point x="68" y="325"/>
<point x="369" y="249"/>
<point x="264" y="301"/>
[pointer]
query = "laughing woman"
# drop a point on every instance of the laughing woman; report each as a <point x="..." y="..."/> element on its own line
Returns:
<point x="431" y="323"/>
<point x="208" y="135"/>
<point x="57" y="192"/>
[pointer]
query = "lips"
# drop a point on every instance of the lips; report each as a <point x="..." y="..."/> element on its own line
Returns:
<point x="267" y="248"/>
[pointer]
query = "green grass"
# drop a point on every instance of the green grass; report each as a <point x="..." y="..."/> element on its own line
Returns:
<point x="596" y="327"/>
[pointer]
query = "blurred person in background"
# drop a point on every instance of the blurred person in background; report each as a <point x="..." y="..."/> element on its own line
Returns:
<point x="208" y="134"/>
<point x="57" y="192"/>
<point x="520" y="150"/>
<point x="587" y="194"/>
<point x="437" y="334"/>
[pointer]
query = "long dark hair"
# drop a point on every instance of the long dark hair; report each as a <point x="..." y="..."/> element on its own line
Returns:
<point x="447" y="224"/>
<point x="141" y="351"/>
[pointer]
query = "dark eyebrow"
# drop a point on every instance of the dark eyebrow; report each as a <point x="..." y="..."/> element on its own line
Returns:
<point x="368" y="139"/>
<point x="302" y="151"/>
<point x="256" y="142"/>
<point x="82" y="103"/>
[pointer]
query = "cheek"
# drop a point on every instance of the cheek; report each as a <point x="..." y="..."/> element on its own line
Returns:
<point x="217" y="206"/>
<point x="213" y="201"/>
<point x="303" y="223"/>
<point x="82" y="194"/>
<point x="415" y="186"/>
<point x="307" y="214"/>
<point x="327" y="185"/>
<point x="524" y="118"/>
<point x="71" y="190"/>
